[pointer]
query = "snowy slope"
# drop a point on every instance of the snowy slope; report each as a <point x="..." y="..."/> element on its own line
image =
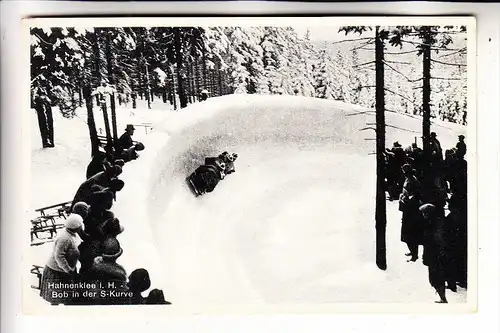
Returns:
<point x="294" y="224"/>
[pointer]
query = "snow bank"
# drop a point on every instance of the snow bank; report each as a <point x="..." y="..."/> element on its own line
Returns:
<point x="295" y="222"/>
<point x="293" y="225"/>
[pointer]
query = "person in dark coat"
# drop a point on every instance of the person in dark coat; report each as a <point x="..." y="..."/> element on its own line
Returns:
<point x="417" y="156"/>
<point x="436" y="150"/>
<point x="461" y="146"/>
<point x="138" y="282"/>
<point x="125" y="141"/>
<point x="396" y="158"/>
<point x="98" y="164"/>
<point x="156" y="297"/>
<point x="112" y="277"/>
<point x="100" y="203"/>
<point x="411" y="222"/>
<point x="105" y="268"/>
<point x="103" y="179"/>
<point x="436" y="250"/>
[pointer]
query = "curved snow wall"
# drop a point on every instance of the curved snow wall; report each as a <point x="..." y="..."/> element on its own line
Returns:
<point x="294" y="222"/>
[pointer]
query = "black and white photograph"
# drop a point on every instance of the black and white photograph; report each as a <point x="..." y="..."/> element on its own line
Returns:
<point x="251" y="162"/>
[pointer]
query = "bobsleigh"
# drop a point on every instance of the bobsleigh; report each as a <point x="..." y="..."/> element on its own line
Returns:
<point x="206" y="177"/>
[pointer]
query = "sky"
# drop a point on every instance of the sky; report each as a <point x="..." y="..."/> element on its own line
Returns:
<point x="322" y="33"/>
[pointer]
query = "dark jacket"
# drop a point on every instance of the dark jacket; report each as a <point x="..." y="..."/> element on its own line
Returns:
<point x="108" y="271"/>
<point x="96" y="165"/>
<point x="125" y="141"/>
<point x="82" y="194"/>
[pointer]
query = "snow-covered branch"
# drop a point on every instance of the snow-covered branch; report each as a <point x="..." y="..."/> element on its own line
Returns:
<point x="402" y="52"/>
<point x="402" y="96"/>
<point x="352" y="40"/>
<point x="406" y="77"/>
<point x="452" y="53"/>
<point x="364" y="64"/>
<point x="448" y="63"/>
<point x="398" y="62"/>
<point x="445" y="78"/>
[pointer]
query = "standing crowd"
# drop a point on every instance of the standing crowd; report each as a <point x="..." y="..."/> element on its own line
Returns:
<point x="432" y="195"/>
<point x="90" y="238"/>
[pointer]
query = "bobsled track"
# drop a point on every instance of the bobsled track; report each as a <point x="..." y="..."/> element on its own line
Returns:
<point x="293" y="224"/>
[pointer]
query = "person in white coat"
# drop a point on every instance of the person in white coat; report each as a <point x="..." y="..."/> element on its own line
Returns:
<point x="60" y="270"/>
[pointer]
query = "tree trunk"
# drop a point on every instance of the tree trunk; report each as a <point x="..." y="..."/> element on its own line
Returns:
<point x="426" y="93"/>
<point x="380" y="204"/>
<point x="174" y="100"/>
<point x="111" y="79"/>
<point x="164" y="95"/>
<point x="42" y="122"/>
<point x="94" y="141"/>
<point x="80" y="96"/>
<point x="106" y="124"/>
<point x="180" y="81"/>
<point x="50" y="123"/>
<point x="147" y="93"/>
<point x="204" y="57"/>
<point x="97" y="55"/>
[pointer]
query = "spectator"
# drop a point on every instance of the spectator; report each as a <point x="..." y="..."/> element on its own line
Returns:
<point x="436" y="256"/>
<point x="461" y="146"/>
<point x="125" y="141"/>
<point x="61" y="266"/>
<point x="435" y="146"/>
<point x="411" y="224"/>
<point x="105" y="268"/>
<point x="98" y="164"/>
<point x="103" y="179"/>
<point x="138" y="282"/>
<point x="156" y="297"/>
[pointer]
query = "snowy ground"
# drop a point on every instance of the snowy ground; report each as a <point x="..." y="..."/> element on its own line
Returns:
<point x="293" y="225"/>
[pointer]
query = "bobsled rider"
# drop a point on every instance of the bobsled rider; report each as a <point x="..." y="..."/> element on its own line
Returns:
<point x="206" y="177"/>
<point x="228" y="159"/>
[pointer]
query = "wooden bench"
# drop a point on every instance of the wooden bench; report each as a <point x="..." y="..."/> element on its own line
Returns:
<point x="103" y="141"/>
<point x="38" y="272"/>
<point x="44" y="224"/>
<point x="62" y="209"/>
<point x="147" y="126"/>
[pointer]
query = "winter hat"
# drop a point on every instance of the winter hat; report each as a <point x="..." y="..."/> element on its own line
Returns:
<point x="119" y="162"/>
<point x="116" y="184"/>
<point x="139" y="280"/>
<point x="115" y="170"/>
<point x="406" y="168"/>
<point x="156" y="297"/>
<point x="111" y="249"/>
<point x="427" y="208"/>
<point x="111" y="227"/>
<point x="73" y="222"/>
<point x="81" y="208"/>
<point x="96" y="188"/>
<point x="139" y="146"/>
